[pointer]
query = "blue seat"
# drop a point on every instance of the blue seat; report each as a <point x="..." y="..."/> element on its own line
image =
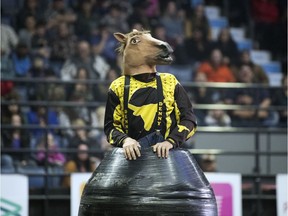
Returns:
<point x="220" y="22"/>
<point x="183" y="73"/>
<point x="271" y="67"/>
<point x="244" y="44"/>
<point x="7" y="170"/>
<point x="238" y="34"/>
<point x="212" y="12"/>
<point x="35" y="181"/>
<point x="260" y="56"/>
<point x="55" y="181"/>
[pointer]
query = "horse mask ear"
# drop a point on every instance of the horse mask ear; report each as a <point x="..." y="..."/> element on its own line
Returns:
<point x="120" y="37"/>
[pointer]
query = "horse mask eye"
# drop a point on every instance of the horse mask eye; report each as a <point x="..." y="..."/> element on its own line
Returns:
<point x="134" y="40"/>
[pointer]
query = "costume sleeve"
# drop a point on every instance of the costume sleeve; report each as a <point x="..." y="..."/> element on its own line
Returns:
<point x="186" y="119"/>
<point x="113" y="126"/>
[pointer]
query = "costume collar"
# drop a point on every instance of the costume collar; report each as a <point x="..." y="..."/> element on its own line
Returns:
<point x="145" y="77"/>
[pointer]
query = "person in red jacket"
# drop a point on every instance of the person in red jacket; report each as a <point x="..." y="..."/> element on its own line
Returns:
<point x="215" y="70"/>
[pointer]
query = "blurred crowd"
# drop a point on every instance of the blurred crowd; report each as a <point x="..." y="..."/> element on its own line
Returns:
<point x="68" y="40"/>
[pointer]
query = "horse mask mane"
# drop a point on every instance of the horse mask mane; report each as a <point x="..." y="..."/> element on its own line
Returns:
<point x="141" y="52"/>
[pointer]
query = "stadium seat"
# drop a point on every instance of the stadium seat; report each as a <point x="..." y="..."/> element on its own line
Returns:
<point x="196" y="2"/>
<point x="55" y="181"/>
<point x="260" y="56"/>
<point x="7" y="170"/>
<point x="35" y="181"/>
<point x="275" y="79"/>
<point x="182" y="72"/>
<point x="237" y="34"/>
<point x="220" y="22"/>
<point x="271" y="67"/>
<point x="214" y="33"/>
<point x="212" y="12"/>
<point x="245" y="44"/>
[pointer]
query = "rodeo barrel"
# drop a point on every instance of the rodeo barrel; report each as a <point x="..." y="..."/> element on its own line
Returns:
<point x="148" y="186"/>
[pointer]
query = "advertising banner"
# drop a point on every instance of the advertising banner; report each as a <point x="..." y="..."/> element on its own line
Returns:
<point x="14" y="195"/>
<point x="227" y="189"/>
<point x="78" y="181"/>
<point x="282" y="194"/>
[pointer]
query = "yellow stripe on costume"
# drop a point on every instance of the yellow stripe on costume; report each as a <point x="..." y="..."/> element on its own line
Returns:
<point x="191" y="133"/>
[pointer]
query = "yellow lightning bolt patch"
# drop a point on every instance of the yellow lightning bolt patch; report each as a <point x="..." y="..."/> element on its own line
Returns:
<point x="181" y="128"/>
<point x="146" y="112"/>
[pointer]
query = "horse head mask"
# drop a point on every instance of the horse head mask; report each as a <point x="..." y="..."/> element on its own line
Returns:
<point x="141" y="52"/>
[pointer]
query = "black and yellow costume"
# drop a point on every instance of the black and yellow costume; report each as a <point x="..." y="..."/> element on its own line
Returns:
<point x="145" y="109"/>
<point x="148" y="186"/>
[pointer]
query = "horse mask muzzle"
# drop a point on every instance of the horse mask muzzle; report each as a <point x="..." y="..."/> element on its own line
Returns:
<point x="165" y="53"/>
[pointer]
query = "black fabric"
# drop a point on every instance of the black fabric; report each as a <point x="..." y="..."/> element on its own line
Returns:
<point x="148" y="186"/>
<point x="159" y="100"/>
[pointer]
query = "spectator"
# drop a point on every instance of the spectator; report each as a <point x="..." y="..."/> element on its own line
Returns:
<point x="259" y="74"/>
<point x="79" y="97"/>
<point x="97" y="117"/>
<point x="26" y="33"/>
<point x="227" y="46"/>
<point x="217" y="117"/>
<point x="7" y="71"/>
<point x="40" y="91"/>
<point x="280" y="99"/>
<point x="87" y="21"/>
<point x="6" y="66"/>
<point x="266" y="16"/>
<point x="7" y="163"/>
<point x="81" y="135"/>
<point x="80" y="163"/>
<point x="58" y="13"/>
<point x="62" y="46"/>
<point x="104" y="44"/>
<point x="9" y="39"/>
<point x="112" y="75"/>
<point x="7" y="111"/>
<point x="82" y="74"/>
<point x="139" y="16"/>
<point x="173" y="21"/>
<point x="197" y="47"/>
<point x="238" y="13"/>
<point x="99" y="90"/>
<point x="42" y="117"/>
<point x="208" y="163"/>
<point x="115" y="19"/>
<point x="40" y="38"/>
<point x="31" y="7"/>
<point x="16" y="138"/>
<point x="159" y="32"/>
<point x="215" y="70"/>
<point x="58" y="94"/>
<point x="54" y="157"/>
<point x="248" y="96"/>
<point x="152" y="9"/>
<point x="201" y="95"/>
<point x="197" y="20"/>
<point x="21" y="60"/>
<point x="96" y="65"/>
<point x="38" y="68"/>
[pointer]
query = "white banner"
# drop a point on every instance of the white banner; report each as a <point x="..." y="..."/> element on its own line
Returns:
<point x="14" y="195"/>
<point x="282" y="194"/>
<point x="228" y="192"/>
<point x="78" y="181"/>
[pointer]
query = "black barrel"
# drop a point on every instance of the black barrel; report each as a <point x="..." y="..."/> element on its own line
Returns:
<point x="148" y="186"/>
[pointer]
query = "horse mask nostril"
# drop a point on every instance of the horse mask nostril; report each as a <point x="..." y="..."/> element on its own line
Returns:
<point x="166" y="47"/>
